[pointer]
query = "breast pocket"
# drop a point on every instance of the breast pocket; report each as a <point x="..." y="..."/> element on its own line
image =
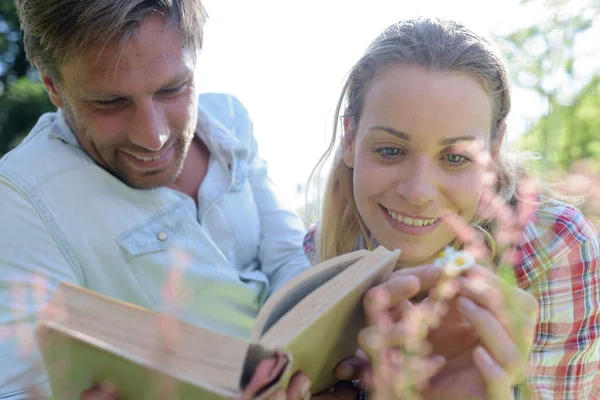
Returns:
<point x="165" y="248"/>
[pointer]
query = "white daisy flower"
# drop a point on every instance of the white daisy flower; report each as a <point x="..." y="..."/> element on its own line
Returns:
<point x="454" y="262"/>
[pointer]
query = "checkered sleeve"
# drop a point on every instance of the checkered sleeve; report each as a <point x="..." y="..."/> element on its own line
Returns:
<point x="561" y="268"/>
<point x="310" y="245"/>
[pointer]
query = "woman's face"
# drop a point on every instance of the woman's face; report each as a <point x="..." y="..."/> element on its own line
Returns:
<point x="413" y="155"/>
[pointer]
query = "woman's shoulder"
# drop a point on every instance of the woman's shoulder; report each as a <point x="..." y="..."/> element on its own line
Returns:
<point x="557" y="234"/>
<point x="555" y="221"/>
<point x="310" y="244"/>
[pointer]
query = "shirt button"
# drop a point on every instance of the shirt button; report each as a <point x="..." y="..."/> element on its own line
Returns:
<point x="162" y="236"/>
<point x="237" y="181"/>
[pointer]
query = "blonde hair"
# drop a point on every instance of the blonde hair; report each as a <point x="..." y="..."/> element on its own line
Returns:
<point x="433" y="44"/>
<point x="56" y="30"/>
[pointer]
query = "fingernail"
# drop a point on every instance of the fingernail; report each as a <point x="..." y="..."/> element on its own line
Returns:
<point x="438" y="359"/>
<point x="279" y="396"/>
<point x="305" y="390"/>
<point x="108" y="388"/>
<point x="465" y="306"/>
<point x="484" y="356"/>
<point x="347" y="372"/>
<point x="378" y="298"/>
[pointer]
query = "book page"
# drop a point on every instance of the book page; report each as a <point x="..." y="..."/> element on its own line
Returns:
<point x="322" y="328"/>
<point x="295" y="290"/>
<point x="95" y="329"/>
<point x="75" y="362"/>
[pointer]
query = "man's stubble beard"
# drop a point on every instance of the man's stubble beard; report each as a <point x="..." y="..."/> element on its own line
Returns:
<point x="181" y="148"/>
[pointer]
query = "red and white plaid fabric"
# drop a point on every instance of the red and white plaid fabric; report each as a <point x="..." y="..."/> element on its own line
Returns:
<point x="560" y="254"/>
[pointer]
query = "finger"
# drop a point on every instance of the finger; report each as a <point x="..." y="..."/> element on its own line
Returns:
<point x="519" y="323"/>
<point x="399" y="311"/>
<point x="407" y="336"/>
<point x="100" y="391"/>
<point x="431" y="367"/>
<point x="299" y="387"/>
<point x="350" y="368"/>
<point x="371" y="339"/>
<point x="494" y="336"/>
<point x="392" y="292"/>
<point x="403" y="376"/>
<point x="278" y="395"/>
<point x="485" y="295"/>
<point x="497" y="381"/>
<point x="341" y="391"/>
<point x="381" y="299"/>
<point x="518" y="297"/>
<point x="428" y="275"/>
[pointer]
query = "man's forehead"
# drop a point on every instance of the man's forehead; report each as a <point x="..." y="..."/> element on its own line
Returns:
<point x="148" y="46"/>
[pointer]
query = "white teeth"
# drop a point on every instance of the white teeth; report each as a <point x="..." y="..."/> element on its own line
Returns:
<point x="148" y="159"/>
<point x="411" y="221"/>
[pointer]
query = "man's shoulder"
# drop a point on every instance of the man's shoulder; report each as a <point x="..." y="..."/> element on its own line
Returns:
<point x="222" y="105"/>
<point x="41" y="155"/>
<point x="228" y="120"/>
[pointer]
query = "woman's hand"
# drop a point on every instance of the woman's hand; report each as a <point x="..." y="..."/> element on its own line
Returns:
<point x="486" y="334"/>
<point x="392" y="374"/>
<point x="503" y="319"/>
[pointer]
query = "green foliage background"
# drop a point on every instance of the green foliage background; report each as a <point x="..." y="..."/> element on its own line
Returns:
<point x="22" y="96"/>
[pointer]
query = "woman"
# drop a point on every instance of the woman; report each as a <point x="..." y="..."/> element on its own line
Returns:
<point x="424" y="120"/>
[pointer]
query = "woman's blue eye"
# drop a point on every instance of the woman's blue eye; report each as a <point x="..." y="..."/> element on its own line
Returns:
<point x="455" y="158"/>
<point x="390" y="152"/>
<point x="456" y="161"/>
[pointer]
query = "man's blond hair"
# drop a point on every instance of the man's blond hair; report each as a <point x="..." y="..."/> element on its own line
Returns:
<point x="54" y="31"/>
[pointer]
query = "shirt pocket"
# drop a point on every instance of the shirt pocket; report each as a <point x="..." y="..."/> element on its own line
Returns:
<point x="162" y="250"/>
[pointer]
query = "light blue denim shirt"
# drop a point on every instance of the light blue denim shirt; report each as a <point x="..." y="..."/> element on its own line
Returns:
<point x="63" y="218"/>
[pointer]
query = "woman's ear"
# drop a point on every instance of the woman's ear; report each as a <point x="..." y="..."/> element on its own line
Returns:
<point x="349" y="135"/>
<point x="496" y="144"/>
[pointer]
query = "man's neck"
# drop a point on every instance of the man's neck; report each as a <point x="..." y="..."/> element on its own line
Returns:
<point x="194" y="170"/>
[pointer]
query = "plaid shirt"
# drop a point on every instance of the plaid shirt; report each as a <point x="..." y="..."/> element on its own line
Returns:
<point x="560" y="254"/>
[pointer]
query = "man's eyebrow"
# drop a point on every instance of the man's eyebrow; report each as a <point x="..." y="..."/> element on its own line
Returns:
<point x="457" y="139"/>
<point x="392" y="131"/>
<point x="178" y="80"/>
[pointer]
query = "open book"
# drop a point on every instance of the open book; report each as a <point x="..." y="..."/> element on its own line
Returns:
<point x="309" y="325"/>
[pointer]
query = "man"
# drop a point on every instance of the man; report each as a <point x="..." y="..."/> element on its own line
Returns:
<point x="134" y="178"/>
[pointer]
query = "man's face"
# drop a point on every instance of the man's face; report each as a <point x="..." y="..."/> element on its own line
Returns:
<point x="133" y="110"/>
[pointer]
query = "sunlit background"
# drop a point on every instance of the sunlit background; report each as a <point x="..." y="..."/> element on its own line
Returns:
<point x="286" y="61"/>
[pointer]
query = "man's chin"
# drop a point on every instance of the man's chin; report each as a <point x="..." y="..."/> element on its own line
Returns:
<point x="148" y="180"/>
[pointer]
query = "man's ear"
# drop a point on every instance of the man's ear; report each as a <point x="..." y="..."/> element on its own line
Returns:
<point x="349" y="137"/>
<point x="496" y="144"/>
<point x="51" y="87"/>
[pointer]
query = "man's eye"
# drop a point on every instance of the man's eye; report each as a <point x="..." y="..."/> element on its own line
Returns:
<point x="110" y="103"/>
<point x="174" y="91"/>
